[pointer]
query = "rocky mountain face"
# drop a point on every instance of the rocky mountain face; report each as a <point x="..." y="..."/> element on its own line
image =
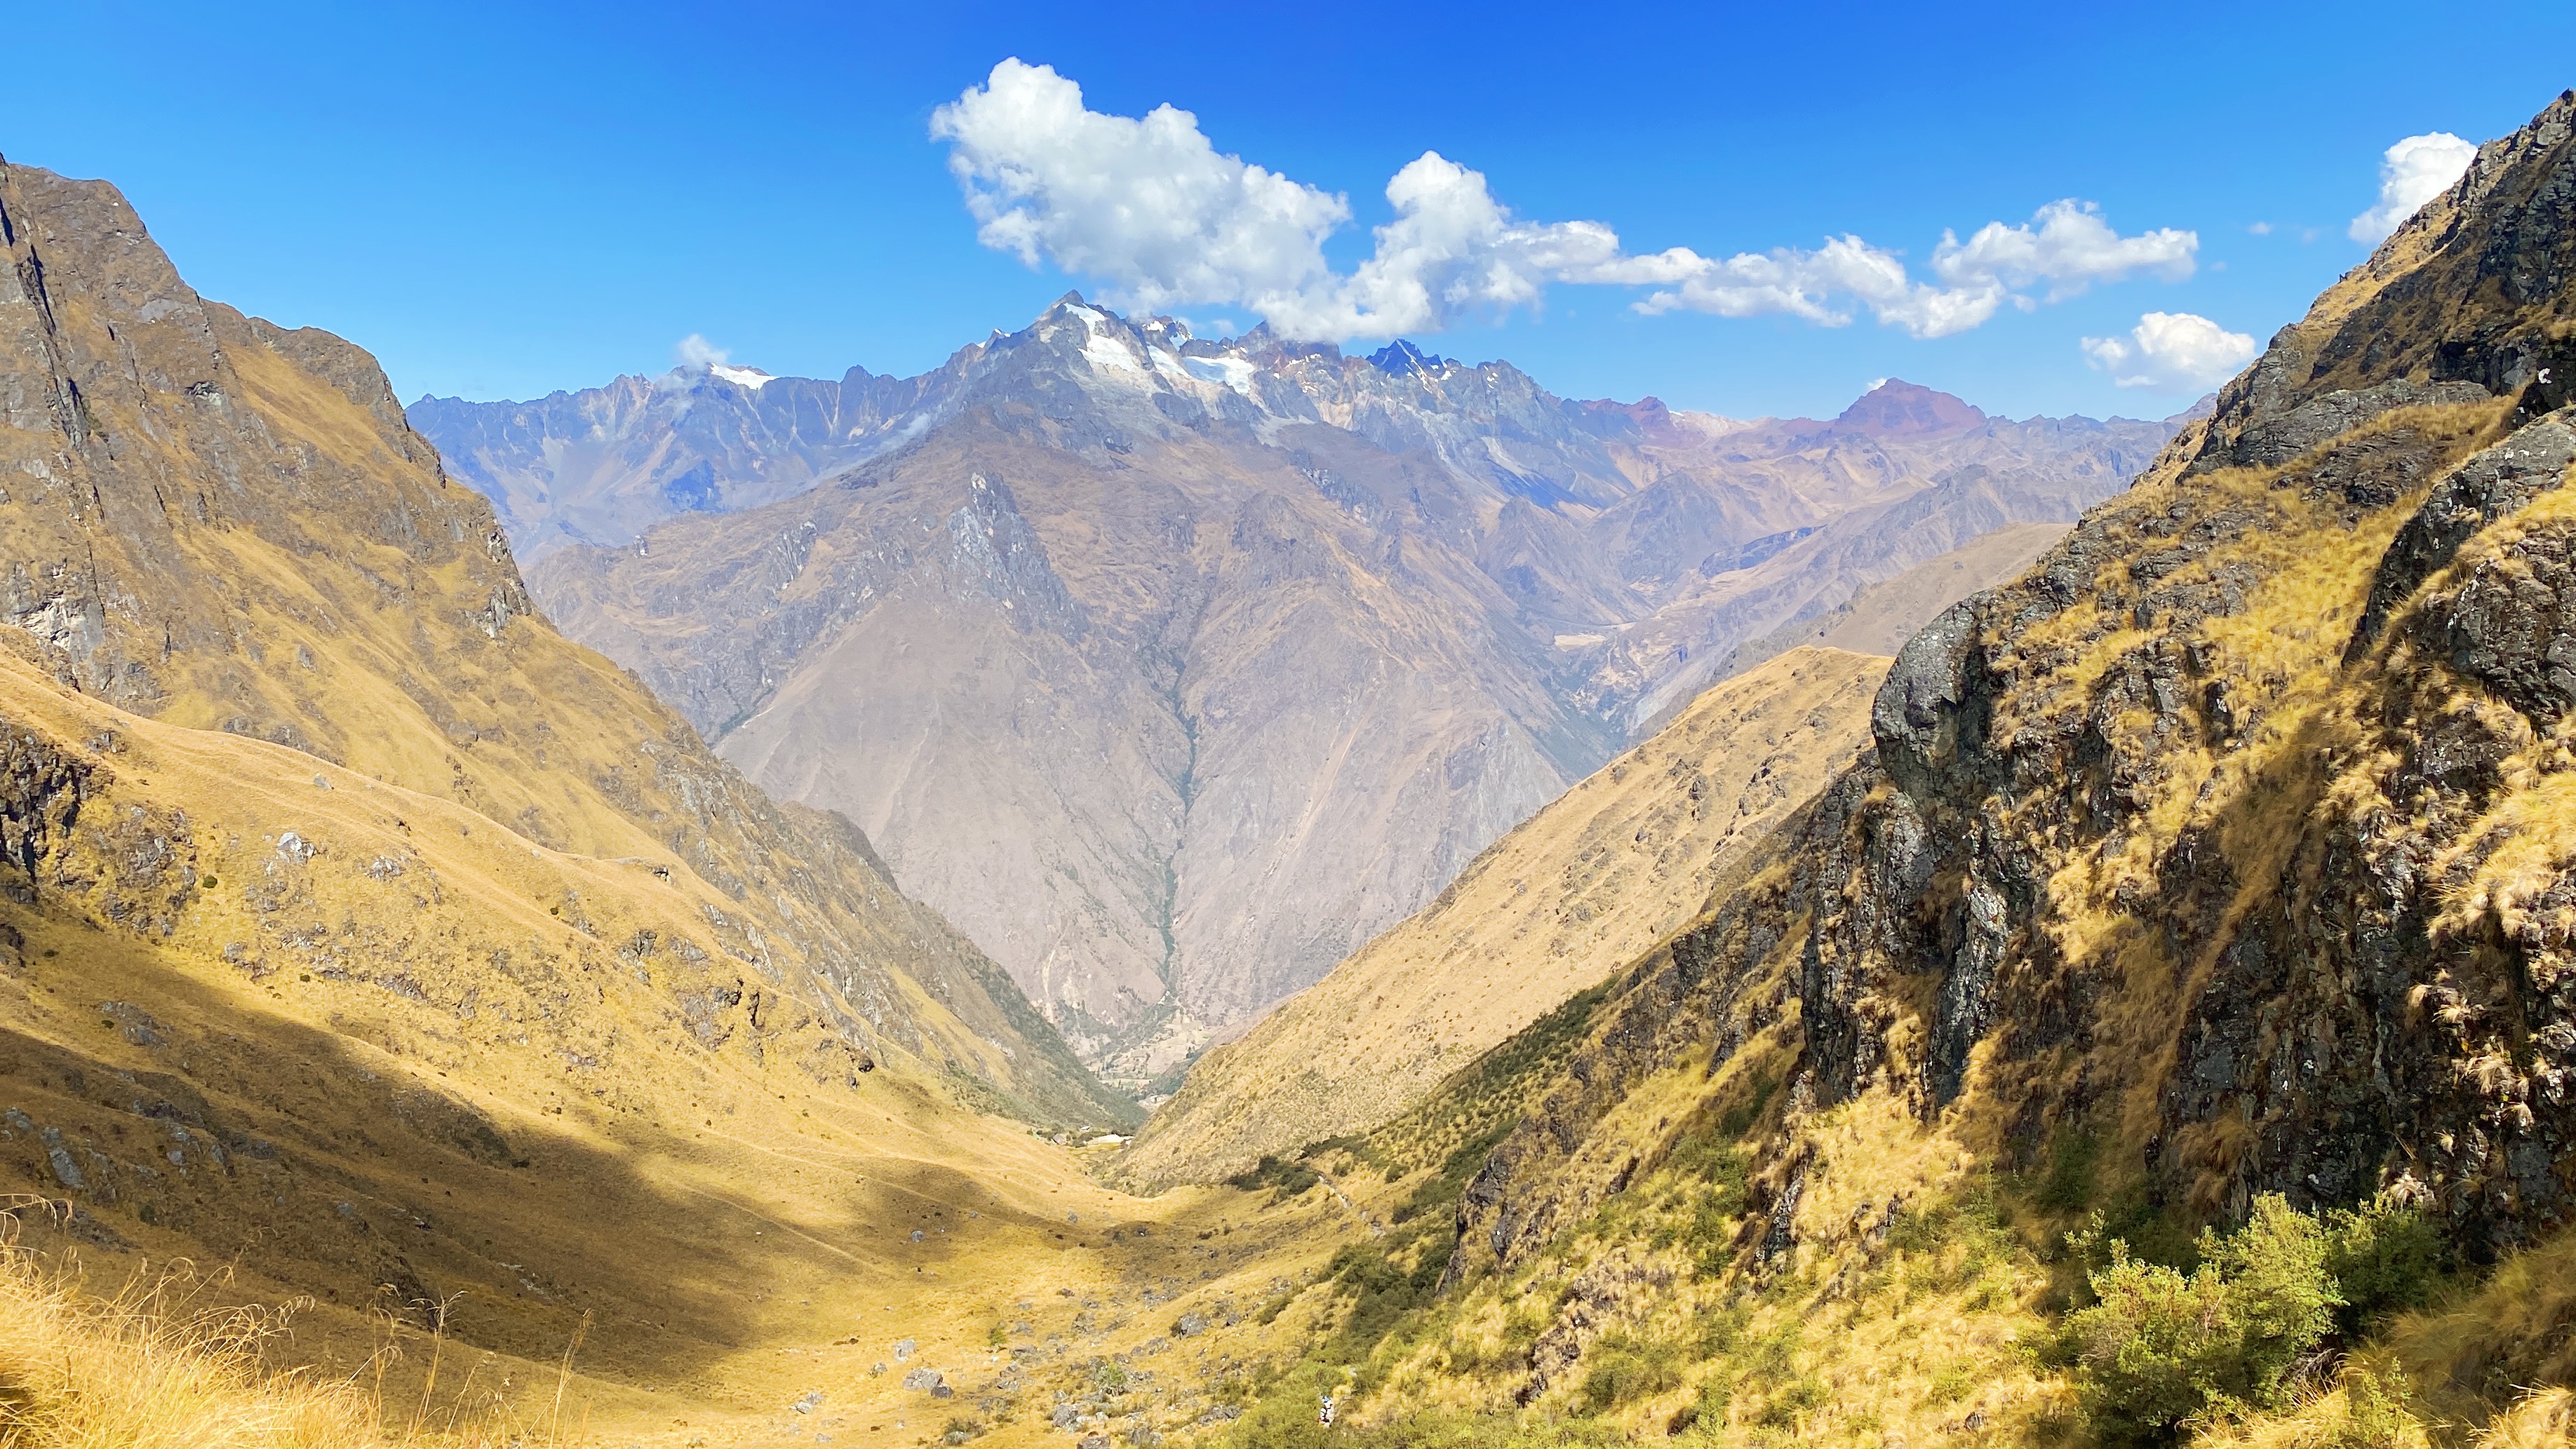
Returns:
<point x="2230" y="839"/>
<point x="1173" y="670"/>
<point x="602" y="465"/>
<point x="2214" y="873"/>
<point x="218" y="524"/>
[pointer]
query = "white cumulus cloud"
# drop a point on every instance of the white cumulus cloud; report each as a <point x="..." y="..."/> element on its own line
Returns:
<point x="2171" y="352"/>
<point x="1153" y="210"/>
<point x="2412" y="172"/>
<point x="696" y="351"/>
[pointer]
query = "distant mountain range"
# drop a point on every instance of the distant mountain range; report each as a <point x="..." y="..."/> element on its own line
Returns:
<point x="1173" y="670"/>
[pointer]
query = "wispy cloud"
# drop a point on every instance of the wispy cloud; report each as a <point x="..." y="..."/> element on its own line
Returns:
<point x="696" y="351"/>
<point x="2412" y="172"/>
<point x="1152" y="209"/>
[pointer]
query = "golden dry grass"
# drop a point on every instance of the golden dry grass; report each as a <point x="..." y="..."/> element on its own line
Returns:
<point x="739" y="1228"/>
<point x="167" y="1361"/>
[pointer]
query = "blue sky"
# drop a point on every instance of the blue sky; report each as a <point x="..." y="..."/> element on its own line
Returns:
<point x="504" y="200"/>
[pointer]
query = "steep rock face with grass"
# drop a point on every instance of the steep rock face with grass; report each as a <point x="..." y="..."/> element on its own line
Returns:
<point x="220" y="524"/>
<point x="2229" y="835"/>
<point x="2213" y="874"/>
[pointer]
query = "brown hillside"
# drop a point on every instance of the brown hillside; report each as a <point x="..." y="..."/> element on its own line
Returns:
<point x="220" y="524"/>
<point x="1880" y="618"/>
<point x="524" y="1096"/>
<point x="1573" y="894"/>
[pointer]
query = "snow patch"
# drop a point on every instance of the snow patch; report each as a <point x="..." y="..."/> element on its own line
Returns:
<point x="1233" y="372"/>
<point x="1710" y="425"/>
<point x="1109" y="352"/>
<point x="750" y="377"/>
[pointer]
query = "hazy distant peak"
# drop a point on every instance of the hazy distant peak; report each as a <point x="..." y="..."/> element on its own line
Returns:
<point x="1652" y="418"/>
<point x="1897" y="408"/>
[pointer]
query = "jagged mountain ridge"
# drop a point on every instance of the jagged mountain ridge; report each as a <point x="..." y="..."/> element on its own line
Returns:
<point x="220" y="524"/>
<point x="1174" y="669"/>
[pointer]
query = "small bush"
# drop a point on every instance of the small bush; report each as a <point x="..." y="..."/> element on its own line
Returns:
<point x="1284" y="1179"/>
<point x="1626" y="1370"/>
<point x="2161" y="1347"/>
<point x="2068" y="1185"/>
<point x="2384" y="1259"/>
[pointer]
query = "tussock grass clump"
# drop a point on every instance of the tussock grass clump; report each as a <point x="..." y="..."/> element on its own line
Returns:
<point x="142" y="1370"/>
<point x="156" y="1366"/>
<point x="2477" y="1352"/>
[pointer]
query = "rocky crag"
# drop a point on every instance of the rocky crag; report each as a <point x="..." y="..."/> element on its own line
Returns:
<point x="1172" y="670"/>
<point x="2223" y="856"/>
<point x="2230" y="831"/>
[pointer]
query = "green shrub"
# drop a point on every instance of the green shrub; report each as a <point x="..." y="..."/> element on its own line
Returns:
<point x="1284" y="1179"/>
<point x="2384" y="1259"/>
<point x="2161" y="1347"/>
<point x="2068" y="1185"/>
<point x="1624" y="1370"/>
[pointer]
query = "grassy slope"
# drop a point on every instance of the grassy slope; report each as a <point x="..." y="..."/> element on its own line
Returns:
<point x="229" y="526"/>
<point x="457" y="1097"/>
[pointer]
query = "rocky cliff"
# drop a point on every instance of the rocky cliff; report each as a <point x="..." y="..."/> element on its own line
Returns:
<point x="2229" y="838"/>
<point x="1173" y="669"/>
<point x="2214" y="874"/>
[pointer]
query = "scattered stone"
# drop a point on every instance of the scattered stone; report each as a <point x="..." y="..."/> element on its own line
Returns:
<point x="926" y="1378"/>
<point x="66" y="1171"/>
<point x="903" y="1348"/>
<point x="813" y="1400"/>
